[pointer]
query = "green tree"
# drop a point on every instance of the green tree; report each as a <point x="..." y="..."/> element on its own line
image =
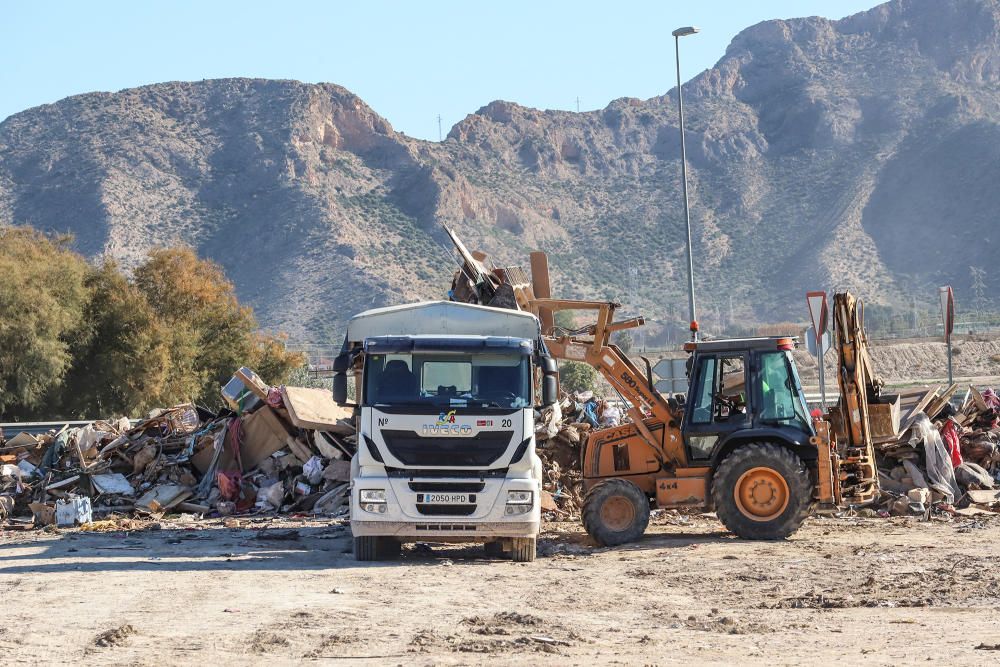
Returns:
<point x="78" y="341"/>
<point x="273" y="362"/>
<point x="624" y="341"/>
<point x="42" y="295"/>
<point x="576" y="377"/>
<point x="564" y="319"/>
<point x="211" y="334"/>
<point x="121" y="357"/>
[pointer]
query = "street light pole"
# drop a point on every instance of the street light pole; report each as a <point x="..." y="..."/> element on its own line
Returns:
<point x="683" y="32"/>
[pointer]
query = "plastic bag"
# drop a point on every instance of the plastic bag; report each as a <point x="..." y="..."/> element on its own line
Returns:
<point x="939" y="469"/>
<point x="313" y="470"/>
<point x="950" y="435"/>
<point x="611" y="416"/>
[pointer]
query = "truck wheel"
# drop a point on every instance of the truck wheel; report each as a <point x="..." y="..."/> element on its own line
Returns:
<point x="615" y="511"/>
<point x="368" y="548"/>
<point x="389" y="548"/>
<point x="522" y="549"/>
<point x="493" y="549"/>
<point x="762" y="491"/>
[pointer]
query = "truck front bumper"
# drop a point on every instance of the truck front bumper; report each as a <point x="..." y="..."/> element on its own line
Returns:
<point x="449" y="529"/>
<point x="405" y="517"/>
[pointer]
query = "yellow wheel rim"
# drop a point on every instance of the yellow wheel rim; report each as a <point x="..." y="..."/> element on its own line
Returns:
<point x="761" y="494"/>
<point x="617" y="513"/>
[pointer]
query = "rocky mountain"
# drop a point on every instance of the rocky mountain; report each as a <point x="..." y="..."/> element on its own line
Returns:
<point x="861" y="153"/>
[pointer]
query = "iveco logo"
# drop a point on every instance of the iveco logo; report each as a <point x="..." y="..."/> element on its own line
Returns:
<point x="446" y="429"/>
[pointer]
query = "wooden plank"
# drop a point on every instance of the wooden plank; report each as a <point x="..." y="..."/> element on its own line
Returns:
<point x="22" y="439"/>
<point x="937" y="405"/>
<point x="315" y="409"/>
<point x="193" y="507"/>
<point x="907" y="421"/>
<point x="973" y="511"/>
<point x="253" y="382"/>
<point x="983" y="496"/>
<point x="977" y="397"/>
<point x="65" y="482"/>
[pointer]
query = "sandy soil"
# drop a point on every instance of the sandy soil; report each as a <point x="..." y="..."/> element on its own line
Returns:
<point x="918" y="361"/>
<point x="863" y="591"/>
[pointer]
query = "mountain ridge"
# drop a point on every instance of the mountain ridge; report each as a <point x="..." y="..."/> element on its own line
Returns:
<point x="822" y="154"/>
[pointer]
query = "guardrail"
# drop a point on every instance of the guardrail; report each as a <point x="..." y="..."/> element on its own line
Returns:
<point x="10" y="429"/>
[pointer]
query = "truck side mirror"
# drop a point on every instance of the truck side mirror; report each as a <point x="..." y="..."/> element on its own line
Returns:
<point x="549" y="366"/>
<point x="340" y="388"/>
<point x="550" y="390"/>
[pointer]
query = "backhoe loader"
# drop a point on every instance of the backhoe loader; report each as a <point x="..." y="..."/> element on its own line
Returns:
<point x="742" y="443"/>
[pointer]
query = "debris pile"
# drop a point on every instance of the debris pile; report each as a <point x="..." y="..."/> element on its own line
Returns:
<point x="274" y="449"/>
<point x="945" y="458"/>
<point x="560" y="434"/>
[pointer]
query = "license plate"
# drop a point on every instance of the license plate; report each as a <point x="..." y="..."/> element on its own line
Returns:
<point x="444" y="498"/>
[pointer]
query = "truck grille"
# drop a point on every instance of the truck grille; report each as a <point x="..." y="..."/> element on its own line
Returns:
<point x="481" y="449"/>
<point x="445" y="526"/>
<point x="446" y="510"/>
<point x="448" y="487"/>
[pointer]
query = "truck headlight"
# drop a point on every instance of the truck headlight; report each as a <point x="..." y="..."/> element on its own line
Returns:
<point x="373" y="500"/>
<point x="519" y="497"/>
<point x="373" y="495"/>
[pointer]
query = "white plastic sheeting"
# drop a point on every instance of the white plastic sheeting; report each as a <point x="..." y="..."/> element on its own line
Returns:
<point x="940" y="472"/>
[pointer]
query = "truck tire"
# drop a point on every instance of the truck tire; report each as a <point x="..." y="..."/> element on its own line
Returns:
<point x="493" y="549"/>
<point x="762" y="491"/>
<point x="370" y="548"/>
<point x="615" y="511"/>
<point x="523" y="549"/>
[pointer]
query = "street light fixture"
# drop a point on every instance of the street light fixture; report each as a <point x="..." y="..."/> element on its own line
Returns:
<point x="684" y="32"/>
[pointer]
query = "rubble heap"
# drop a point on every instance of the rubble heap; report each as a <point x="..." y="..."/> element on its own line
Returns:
<point x="274" y="449"/>
<point x="945" y="458"/>
<point x="560" y="434"/>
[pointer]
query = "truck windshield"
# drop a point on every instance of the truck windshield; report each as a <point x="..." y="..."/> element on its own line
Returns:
<point x="781" y="391"/>
<point x="446" y="379"/>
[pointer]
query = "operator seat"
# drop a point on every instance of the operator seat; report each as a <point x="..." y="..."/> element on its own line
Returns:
<point x="398" y="382"/>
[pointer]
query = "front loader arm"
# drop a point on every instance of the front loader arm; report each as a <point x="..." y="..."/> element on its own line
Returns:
<point x="620" y="372"/>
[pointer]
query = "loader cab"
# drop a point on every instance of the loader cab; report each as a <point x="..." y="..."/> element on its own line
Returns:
<point x="743" y="389"/>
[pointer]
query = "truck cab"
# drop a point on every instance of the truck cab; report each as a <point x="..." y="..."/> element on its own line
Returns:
<point x="446" y="394"/>
<point x="744" y="390"/>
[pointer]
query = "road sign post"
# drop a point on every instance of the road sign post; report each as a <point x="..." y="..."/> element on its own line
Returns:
<point x="674" y="376"/>
<point x="818" y="311"/>
<point x="948" y="318"/>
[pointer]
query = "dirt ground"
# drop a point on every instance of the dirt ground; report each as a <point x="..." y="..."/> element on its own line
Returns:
<point x="867" y="591"/>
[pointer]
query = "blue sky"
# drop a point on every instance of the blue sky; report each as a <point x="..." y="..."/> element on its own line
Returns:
<point x="411" y="61"/>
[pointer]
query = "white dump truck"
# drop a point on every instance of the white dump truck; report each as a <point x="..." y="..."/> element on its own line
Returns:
<point x="445" y="397"/>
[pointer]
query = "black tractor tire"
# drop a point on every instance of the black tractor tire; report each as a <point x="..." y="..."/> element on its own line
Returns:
<point x="371" y="548"/>
<point x="493" y="549"/>
<point x="523" y="549"/>
<point x="615" y="511"/>
<point x="762" y="491"/>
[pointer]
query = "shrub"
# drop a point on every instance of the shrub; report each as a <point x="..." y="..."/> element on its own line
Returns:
<point x="81" y="341"/>
<point x="576" y="377"/>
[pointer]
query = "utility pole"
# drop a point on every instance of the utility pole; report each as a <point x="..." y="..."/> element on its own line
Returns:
<point x="440" y="136"/>
<point x="633" y="290"/>
<point x="578" y="104"/>
<point x="683" y="32"/>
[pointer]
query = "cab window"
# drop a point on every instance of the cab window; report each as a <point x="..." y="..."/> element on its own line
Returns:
<point x="721" y="393"/>
<point x="701" y="411"/>
<point x="781" y="394"/>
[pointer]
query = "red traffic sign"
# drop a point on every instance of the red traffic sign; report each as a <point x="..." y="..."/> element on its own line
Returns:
<point x="817" y="311"/>
<point x="947" y="310"/>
